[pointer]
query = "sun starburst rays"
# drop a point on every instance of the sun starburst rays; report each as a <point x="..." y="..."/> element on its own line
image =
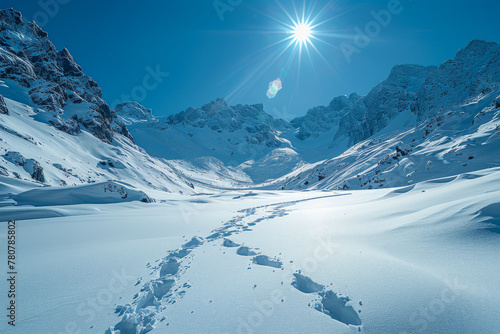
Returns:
<point x="304" y="26"/>
<point x="302" y="33"/>
<point x="302" y="29"/>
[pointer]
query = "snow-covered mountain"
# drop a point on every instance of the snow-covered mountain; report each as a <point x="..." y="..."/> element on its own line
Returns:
<point x="231" y="134"/>
<point x="423" y="90"/>
<point x="408" y="102"/>
<point x="55" y="128"/>
<point x="132" y="112"/>
<point x="459" y="140"/>
<point x="52" y="80"/>
<point x="473" y="72"/>
<point x="131" y="223"/>
<point x="359" y="117"/>
<point x="420" y="123"/>
<point x="344" y="144"/>
<point x="266" y="148"/>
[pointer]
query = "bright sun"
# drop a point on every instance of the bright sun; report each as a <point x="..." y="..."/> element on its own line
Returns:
<point x="302" y="32"/>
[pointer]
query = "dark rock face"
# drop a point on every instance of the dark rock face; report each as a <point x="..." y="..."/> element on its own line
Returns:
<point x="98" y="129"/>
<point x="68" y="65"/>
<point x="123" y="130"/>
<point x="37" y="174"/>
<point x="31" y="166"/>
<point x="30" y="59"/>
<point x="147" y="199"/>
<point x="39" y="31"/>
<point x="11" y="16"/>
<point x="70" y="126"/>
<point x="3" y="107"/>
<point x="402" y="151"/>
<point x="49" y="96"/>
<point x="104" y="109"/>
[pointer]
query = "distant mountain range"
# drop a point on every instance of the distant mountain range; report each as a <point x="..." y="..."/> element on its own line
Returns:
<point x="419" y="123"/>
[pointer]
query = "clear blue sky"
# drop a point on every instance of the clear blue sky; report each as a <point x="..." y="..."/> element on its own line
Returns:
<point x="206" y="58"/>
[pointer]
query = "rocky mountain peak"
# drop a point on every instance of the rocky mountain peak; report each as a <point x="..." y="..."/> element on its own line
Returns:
<point x="132" y="112"/>
<point x="218" y="115"/>
<point x="478" y="48"/>
<point x="216" y="106"/>
<point x="68" y="65"/>
<point x="54" y="79"/>
<point x="11" y="16"/>
<point x="3" y="107"/>
<point x="358" y="117"/>
<point x="475" y="70"/>
<point x="341" y="102"/>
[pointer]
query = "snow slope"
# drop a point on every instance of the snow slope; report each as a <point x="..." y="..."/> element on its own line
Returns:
<point x="402" y="260"/>
<point x="69" y="160"/>
<point x="457" y="140"/>
<point x="56" y="130"/>
<point x="32" y="148"/>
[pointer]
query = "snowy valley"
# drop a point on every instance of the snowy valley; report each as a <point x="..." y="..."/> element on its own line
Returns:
<point x="376" y="214"/>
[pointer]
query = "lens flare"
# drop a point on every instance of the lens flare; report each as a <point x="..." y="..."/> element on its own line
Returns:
<point x="274" y="87"/>
<point x="302" y="27"/>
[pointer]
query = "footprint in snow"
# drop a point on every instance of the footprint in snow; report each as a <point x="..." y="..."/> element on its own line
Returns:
<point x="229" y="243"/>
<point x="329" y="302"/>
<point x="264" y="260"/>
<point x="246" y="251"/>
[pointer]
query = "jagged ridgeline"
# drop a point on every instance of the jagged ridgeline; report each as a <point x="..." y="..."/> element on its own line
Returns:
<point x="52" y="79"/>
<point x="354" y="142"/>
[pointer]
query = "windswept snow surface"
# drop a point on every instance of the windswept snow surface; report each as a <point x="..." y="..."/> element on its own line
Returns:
<point x="419" y="259"/>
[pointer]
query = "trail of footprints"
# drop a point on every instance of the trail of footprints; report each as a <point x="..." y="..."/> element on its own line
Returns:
<point x="145" y="312"/>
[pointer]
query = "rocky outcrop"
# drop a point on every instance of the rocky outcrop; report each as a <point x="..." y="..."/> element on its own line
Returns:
<point x="29" y="58"/>
<point x="15" y="157"/>
<point x="37" y="170"/>
<point x="3" y="107"/>
<point x="11" y="17"/>
<point x="422" y="90"/>
<point x="473" y="72"/>
<point x="373" y="112"/>
<point x="31" y="166"/>
<point x="70" y="126"/>
<point x="67" y="64"/>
